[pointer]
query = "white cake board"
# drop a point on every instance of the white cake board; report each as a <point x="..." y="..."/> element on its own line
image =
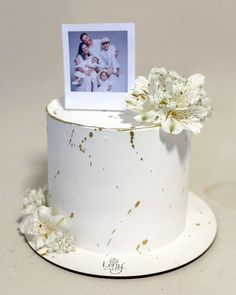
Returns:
<point x="197" y="237"/>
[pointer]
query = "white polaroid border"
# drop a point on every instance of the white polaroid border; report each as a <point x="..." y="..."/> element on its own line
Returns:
<point x="98" y="100"/>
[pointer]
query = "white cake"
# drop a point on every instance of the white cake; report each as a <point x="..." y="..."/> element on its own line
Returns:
<point x="124" y="184"/>
<point x="117" y="202"/>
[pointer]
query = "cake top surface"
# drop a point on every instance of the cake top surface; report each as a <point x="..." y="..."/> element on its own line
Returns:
<point x="91" y="118"/>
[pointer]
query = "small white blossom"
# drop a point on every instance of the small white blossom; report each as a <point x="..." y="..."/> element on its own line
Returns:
<point x="171" y="101"/>
<point x="33" y="199"/>
<point x="59" y="243"/>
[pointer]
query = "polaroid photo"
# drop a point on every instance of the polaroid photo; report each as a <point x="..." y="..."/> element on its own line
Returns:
<point x="99" y="65"/>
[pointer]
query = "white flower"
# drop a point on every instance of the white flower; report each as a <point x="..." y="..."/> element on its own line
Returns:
<point x="171" y="101"/>
<point x="40" y="224"/>
<point x="141" y="86"/>
<point x="139" y="94"/>
<point x="33" y="199"/>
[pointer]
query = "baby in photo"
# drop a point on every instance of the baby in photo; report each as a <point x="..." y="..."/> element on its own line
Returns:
<point x="86" y="68"/>
<point x="104" y="83"/>
<point x="93" y="66"/>
<point x="95" y="62"/>
<point x="78" y="74"/>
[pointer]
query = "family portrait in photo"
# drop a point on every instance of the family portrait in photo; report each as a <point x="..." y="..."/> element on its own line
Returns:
<point x="98" y="61"/>
<point x="99" y="65"/>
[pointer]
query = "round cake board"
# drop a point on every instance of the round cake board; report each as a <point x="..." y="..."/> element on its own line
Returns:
<point x="197" y="237"/>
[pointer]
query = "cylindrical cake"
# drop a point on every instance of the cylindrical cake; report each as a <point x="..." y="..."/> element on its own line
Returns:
<point x="124" y="184"/>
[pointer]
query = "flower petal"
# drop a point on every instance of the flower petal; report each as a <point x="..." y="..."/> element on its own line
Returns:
<point x="26" y="226"/>
<point x="146" y="117"/>
<point x="170" y="125"/>
<point x="38" y="242"/>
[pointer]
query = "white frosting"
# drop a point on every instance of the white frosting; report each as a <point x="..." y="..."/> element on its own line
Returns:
<point x="103" y="119"/>
<point x="126" y="185"/>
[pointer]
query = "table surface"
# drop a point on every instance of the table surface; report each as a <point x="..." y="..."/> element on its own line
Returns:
<point x="188" y="36"/>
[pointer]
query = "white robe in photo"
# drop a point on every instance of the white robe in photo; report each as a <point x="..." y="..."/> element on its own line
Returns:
<point x="78" y="73"/>
<point x="108" y="58"/>
<point x="86" y="81"/>
<point x="95" y="48"/>
<point x="93" y="74"/>
<point x="104" y="86"/>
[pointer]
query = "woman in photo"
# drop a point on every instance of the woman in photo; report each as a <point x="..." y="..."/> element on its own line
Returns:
<point x="87" y="69"/>
<point x="83" y="72"/>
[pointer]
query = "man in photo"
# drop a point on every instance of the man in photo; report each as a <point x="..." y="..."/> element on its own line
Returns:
<point x="109" y="57"/>
<point x="94" y="45"/>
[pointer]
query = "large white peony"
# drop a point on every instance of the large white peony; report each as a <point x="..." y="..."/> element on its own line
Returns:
<point x="169" y="100"/>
